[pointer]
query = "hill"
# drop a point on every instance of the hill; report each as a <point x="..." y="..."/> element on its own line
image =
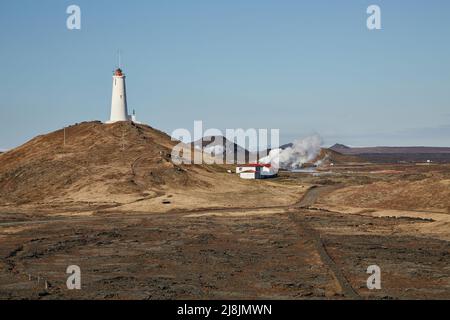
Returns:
<point x="429" y="194"/>
<point x="218" y="146"/>
<point x="119" y="159"/>
<point x="328" y="156"/>
<point x="121" y="164"/>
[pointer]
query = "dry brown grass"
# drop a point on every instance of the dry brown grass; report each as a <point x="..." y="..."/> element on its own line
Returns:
<point x="427" y="194"/>
<point x="121" y="166"/>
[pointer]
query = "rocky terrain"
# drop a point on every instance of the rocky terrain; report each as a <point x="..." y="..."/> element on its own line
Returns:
<point x="110" y="200"/>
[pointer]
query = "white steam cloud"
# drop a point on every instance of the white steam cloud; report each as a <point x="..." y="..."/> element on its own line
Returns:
<point x="302" y="151"/>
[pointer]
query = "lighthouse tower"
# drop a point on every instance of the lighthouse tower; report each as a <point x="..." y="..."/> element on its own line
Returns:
<point x="119" y="111"/>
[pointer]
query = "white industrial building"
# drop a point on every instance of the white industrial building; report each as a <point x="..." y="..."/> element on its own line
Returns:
<point x="256" y="171"/>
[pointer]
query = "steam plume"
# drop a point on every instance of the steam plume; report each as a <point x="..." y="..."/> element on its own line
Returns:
<point x="302" y="151"/>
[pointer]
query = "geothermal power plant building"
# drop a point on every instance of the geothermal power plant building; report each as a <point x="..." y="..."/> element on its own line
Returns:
<point x="256" y="171"/>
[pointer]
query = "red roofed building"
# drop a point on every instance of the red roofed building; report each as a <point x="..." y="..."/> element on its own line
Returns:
<point x="256" y="171"/>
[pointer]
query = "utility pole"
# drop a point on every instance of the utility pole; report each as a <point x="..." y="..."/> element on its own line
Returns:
<point x="123" y="139"/>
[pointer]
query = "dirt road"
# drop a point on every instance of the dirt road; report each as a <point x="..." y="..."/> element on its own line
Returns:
<point x="308" y="200"/>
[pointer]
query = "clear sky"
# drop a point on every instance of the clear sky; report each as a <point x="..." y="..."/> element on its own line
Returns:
<point x="300" y="66"/>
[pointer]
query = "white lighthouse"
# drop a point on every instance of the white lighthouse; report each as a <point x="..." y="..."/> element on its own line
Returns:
<point x="119" y="110"/>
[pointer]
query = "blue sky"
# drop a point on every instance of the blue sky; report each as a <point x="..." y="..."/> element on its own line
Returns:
<point x="301" y="66"/>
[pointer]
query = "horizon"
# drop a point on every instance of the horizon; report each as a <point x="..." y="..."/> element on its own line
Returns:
<point x="303" y="68"/>
<point x="324" y="145"/>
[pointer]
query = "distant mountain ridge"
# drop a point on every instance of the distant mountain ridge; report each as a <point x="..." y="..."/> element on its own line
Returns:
<point x="328" y="156"/>
<point x="359" y="150"/>
<point x="340" y="146"/>
<point x="396" y="154"/>
<point x="219" y="145"/>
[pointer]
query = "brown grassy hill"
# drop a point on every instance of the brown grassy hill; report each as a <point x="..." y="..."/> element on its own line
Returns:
<point x="117" y="159"/>
<point x="328" y="156"/>
<point x="118" y="164"/>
